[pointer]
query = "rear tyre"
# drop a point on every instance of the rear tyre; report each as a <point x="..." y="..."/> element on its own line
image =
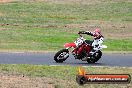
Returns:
<point x="95" y="57"/>
<point x="98" y="55"/>
<point x="61" y="55"/>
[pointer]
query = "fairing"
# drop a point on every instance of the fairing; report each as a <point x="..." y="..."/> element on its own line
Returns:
<point x="69" y="45"/>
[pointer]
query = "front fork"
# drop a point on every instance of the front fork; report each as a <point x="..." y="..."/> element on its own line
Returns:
<point x="66" y="55"/>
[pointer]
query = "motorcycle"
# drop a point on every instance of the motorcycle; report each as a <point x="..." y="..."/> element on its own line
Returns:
<point x="83" y="46"/>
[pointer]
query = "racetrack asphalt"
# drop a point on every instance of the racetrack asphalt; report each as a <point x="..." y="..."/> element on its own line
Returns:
<point x="123" y="60"/>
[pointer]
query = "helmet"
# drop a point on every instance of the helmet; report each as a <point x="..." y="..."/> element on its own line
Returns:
<point x="97" y="33"/>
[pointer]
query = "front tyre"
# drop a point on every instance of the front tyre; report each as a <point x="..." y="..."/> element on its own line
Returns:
<point x="61" y="55"/>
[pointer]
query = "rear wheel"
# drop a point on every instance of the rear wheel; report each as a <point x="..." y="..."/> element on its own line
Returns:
<point x="98" y="55"/>
<point x="61" y="55"/>
<point x="95" y="57"/>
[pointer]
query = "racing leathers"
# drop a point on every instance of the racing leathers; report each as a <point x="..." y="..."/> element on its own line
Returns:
<point x="97" y="42"/>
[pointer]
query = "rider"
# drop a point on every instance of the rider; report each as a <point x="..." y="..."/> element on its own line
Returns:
<point x="98" y="39"/>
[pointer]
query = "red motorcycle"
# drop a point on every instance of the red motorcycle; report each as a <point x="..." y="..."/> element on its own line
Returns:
<point x="82" y="46"/>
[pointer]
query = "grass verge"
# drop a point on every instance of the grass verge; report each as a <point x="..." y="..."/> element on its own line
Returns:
<point x="60" y="76"/>
<point x="47" y="25"/>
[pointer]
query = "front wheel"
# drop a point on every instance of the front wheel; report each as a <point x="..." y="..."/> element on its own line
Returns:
<point x="61" y="55"/>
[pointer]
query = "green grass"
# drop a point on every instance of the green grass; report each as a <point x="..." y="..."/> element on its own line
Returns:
<point x="44" y="39"/>
<point x="26" y="25"/>
<point x="119" y="45"/>
<point x="67" y="73"/>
